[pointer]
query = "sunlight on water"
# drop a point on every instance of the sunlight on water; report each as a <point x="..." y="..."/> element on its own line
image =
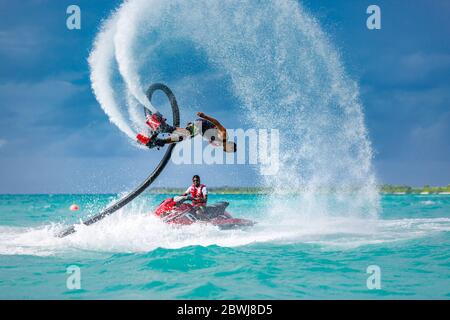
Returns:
<point x="135" y="229"/>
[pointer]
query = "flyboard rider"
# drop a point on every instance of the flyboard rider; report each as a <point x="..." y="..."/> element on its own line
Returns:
<point x="210" y="129"/>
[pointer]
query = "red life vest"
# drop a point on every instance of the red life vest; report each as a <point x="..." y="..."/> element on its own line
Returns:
<point x="198" y="193"/>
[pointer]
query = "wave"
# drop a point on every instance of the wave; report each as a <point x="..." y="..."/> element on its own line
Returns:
<point x="135" y="230"/>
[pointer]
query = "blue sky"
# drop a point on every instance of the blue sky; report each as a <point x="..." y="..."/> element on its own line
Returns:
<point x="55" y="138"/>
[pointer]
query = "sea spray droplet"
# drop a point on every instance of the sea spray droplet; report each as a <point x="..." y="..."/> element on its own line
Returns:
<point x="281" y="67"/>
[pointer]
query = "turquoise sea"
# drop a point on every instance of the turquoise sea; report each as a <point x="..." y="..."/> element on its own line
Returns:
<point x="132" y="255"/>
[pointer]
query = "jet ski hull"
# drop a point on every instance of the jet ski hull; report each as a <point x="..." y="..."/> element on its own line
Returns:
<point x="185" y="214"/>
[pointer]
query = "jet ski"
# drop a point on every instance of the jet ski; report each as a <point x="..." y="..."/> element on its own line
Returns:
<point x="176" y="211"/>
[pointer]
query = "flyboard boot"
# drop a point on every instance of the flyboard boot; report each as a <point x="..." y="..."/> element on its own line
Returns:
<point x="157" y="124"/>
<point x="151" y="142"/>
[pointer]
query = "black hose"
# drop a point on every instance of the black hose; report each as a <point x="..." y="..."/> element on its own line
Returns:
<point x="159" y="168"/>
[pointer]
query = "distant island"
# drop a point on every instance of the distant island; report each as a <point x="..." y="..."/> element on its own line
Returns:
<point x="213" y="190"/>
<point x="391" y="189"/>
<point x="384" y="189"/>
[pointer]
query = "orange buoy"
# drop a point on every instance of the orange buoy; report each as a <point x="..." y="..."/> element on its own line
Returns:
<point x="74" y="207"/>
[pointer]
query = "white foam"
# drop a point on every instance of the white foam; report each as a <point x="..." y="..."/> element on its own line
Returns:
<point x="137" y="230"/>
<point x="428" y="202"/>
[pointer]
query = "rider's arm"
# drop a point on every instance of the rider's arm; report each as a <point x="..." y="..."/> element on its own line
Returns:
<point x="187" y="191"/>
<point x="213" y="120"/>
<point x="205" y="194"/>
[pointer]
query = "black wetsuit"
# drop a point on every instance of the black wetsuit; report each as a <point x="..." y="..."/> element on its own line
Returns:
<point x="212" y="134"/>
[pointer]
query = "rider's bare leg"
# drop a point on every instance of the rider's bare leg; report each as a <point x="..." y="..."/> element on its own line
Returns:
<point x="178" y="135"/>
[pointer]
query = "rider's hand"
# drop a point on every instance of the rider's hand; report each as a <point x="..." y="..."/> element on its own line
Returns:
<point x="201" y="114"/>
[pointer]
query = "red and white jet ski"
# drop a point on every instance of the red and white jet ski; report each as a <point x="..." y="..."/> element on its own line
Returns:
<point x="175" y="211"/>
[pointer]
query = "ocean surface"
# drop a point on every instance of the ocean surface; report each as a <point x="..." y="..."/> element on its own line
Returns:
<point x="133" y="255"/>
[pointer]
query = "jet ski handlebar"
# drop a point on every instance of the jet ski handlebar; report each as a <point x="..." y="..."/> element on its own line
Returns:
<point x="181" y="199"/>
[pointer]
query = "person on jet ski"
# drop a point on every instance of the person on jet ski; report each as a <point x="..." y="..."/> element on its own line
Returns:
<point x="210" y="129"/>
<point x="199" y="195"/>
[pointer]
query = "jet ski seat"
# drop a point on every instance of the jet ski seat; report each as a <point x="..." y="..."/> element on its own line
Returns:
<point x="216" y="209"/>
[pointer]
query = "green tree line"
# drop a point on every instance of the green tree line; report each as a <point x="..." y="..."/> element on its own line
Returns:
<point x="386" y="188"/>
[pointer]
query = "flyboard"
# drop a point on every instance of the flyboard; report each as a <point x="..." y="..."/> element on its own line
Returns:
<point x="152" y="177"/>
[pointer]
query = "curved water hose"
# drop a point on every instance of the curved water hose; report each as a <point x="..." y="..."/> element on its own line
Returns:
<point x="159" y="168"/>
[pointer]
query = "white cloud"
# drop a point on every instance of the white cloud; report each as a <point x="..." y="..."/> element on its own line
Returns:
<point x="419" y="63"/>
<point x="22" y="42"/>
<point x="431" y="138"/>
<point x="416" y="68"/>
<point x="33" y="101"/>
<point x="2" y="142"/>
